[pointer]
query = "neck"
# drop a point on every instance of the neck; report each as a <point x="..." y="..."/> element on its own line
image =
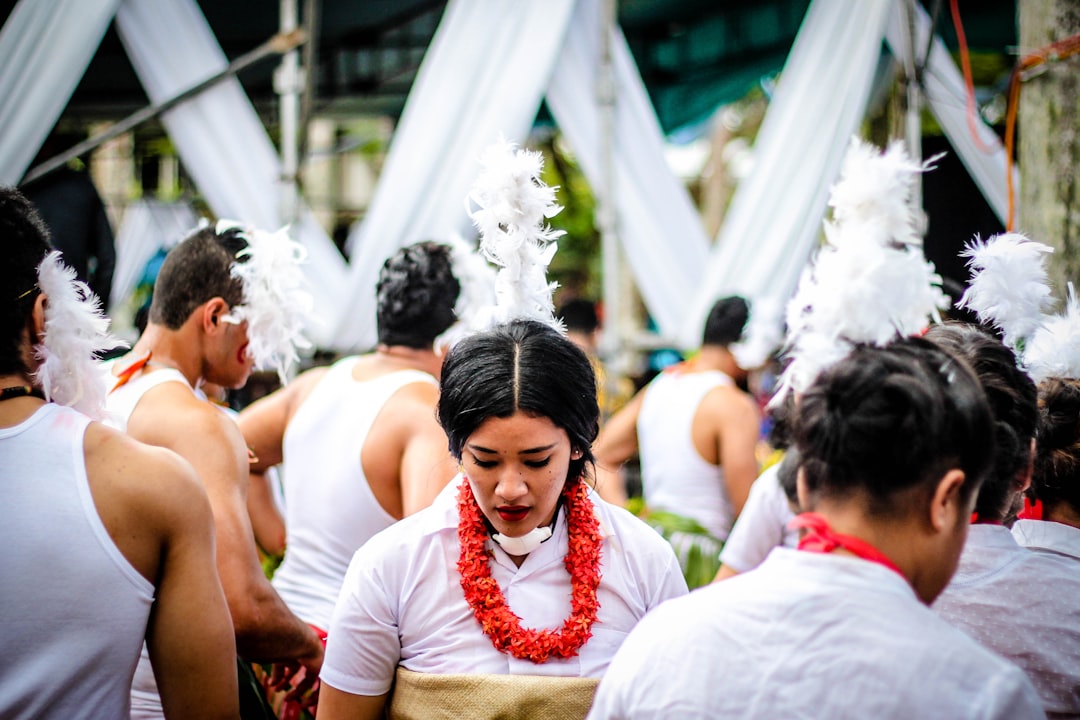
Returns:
<point x="16" y="409"/>
<point x="715" y="357"/>
<point x="176" y="349"/>
<point x="893" y="538"/>
<point x="1061" y="512"/>
<point x="407" y="358"/>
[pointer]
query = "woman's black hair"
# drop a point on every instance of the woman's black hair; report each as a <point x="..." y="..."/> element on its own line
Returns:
<point x="886" y="420"/>
<point x="1056" y="478"/>
<point x="1013" y="403"/>
<point x="26" y="242"/>
<point x="521" y="365"/>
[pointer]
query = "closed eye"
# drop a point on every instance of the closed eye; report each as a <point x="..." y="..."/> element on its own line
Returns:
<point x="538" y="463"/>
<point x="484" y="463"/>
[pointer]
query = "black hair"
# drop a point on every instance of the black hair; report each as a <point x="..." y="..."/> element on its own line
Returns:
<point x="726" y="321"/>
<point x="26" y="243"/>
<point x="416" y="294"/>
<point x="198" y="269"/>
<point x="521" y="365"/>
<point x="788" y="473"/>
<point x="886" y="420"/>
<point x="1057" y="453"/>
<point x="579" y="315"/>
<point x="1013" y="403"/>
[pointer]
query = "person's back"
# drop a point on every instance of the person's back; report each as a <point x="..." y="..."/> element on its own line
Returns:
<point x="808" y="635"/>
<point x="97" y="559"/>
<point x="1024" y="606"/>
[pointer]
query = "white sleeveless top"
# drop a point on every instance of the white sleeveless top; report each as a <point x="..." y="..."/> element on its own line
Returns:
<point x="119" y="405"/>
<point x="74" y="609"/>
<point x="674" y="476"/>
<point x="330" y="510"/>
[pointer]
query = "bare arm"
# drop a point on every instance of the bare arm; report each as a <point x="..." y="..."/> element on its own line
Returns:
<point x="212" y="443"/>
<point x="165" y="529"/>
<point x="334" y="703"/>
<point x="426" y="463"/>
<point x="738" y="430"/>
<point x="616" y="444"/>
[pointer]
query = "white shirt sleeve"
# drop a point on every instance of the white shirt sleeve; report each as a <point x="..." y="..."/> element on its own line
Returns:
<point x="362" y="644"/>
<point x="761" y="524"/>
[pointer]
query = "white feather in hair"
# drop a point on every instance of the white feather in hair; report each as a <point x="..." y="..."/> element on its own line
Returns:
<point x="476" y="279"/>
<point x="513" y="205"/>
<point x="1053" y="350"/>
<point x="763" y="335"/>
<point x="277" y="304"/>
<point x="75" y="332"/>
<point x="1008" y="287"/>
<point x="870" y="282"/>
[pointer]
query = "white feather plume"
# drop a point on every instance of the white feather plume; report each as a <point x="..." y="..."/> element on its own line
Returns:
<point x="75" y="331"/>
<point x="763" y="335"/>
<point x="513" y="205"/>
<point x="476" y="278"/>
<point x="1053" y="350"/>
<point x="870" y="282"/>
<point x="277" y="305"/>
<point x="1009" y="288"/>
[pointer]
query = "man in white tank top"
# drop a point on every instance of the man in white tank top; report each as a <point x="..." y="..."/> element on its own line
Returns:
<point x="96" y="559"/>
<point x="359" y="443"/>
<point x="694" y="429"/>
<point x="198" y="331"/>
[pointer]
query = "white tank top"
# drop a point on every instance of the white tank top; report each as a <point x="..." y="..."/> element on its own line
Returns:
<point x="73" y="611"/>
<point x="330" y="510"/>
<point x="674" y="477"/>
<point x="120" y="403"/>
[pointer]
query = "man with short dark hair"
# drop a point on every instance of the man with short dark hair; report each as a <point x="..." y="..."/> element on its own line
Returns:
<point x="694" y="429"/>
<point x="198" y="332"/>
<point x="97" y="558"/>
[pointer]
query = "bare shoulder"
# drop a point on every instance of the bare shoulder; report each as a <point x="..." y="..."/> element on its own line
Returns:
<point x="728" y="401"/>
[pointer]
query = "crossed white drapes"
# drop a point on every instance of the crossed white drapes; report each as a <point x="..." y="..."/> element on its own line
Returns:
<point x="485" y="73"/>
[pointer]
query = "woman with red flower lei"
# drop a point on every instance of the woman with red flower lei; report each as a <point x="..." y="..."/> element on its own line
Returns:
<point x="509" y="596"/>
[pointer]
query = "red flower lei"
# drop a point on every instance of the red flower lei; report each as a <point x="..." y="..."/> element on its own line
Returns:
<point x="488" y="604"/>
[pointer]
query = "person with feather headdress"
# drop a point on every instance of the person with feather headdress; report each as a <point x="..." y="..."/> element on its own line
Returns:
<point x="107" y="542"/>
<point x="508" y="596"/>
<point x="891" y="432"/>
<point x="227" y="298"/>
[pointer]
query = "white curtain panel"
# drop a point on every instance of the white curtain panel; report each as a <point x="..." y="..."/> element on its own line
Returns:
<point x="148" y="226"/>
<point x="775" y="216"/>
<point x="947" y="98"/>
<point x="483" y="76"/>
<point x="661" y="231"/>
<point x="45" y="46"/>
<point x="220" y="138"/>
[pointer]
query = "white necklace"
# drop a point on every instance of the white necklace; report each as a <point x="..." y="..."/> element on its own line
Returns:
<point x="525" y="544"/>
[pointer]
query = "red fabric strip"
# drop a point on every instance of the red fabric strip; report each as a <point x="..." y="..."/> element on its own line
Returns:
<point x="820" y="538"/>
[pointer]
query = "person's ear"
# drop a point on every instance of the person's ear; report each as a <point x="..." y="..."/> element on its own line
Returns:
<point x="37" y="319"/>
<point x="576" y="454"/>
<point x="946" y="506"/>
<point x="212" y="312"/>
<point x="801" y="491"/>
<point x="1023" y="478"/>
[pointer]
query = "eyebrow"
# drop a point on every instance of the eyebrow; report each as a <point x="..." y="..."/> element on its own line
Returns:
<point x="529" y="451"/>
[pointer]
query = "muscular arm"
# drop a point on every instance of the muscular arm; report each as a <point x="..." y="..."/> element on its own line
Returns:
<point x="616" y="444"/>
<point x="263" y="425"/>
<point x="166" y="530"/>
<point x="426" y="463"/>
<point x="265" y="628"/>
<point x="738" y="430"/>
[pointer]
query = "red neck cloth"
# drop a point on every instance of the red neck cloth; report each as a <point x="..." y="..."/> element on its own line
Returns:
<point x="821" y="538"/>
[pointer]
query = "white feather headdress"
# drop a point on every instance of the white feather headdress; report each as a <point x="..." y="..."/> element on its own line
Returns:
<point x="763" y="335"/>
<point x="1008" y="288"/>
<point x="1053" y="351"/>
<point x="276" y="304"/>
<point x="513" y="204"/>
<point x="75" y="331"/>
<point x="476" y="296"/>
<point x="870" y="282"/>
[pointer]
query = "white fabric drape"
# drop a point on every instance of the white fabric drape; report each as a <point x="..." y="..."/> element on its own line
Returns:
<point x="775" y="216"/>
<point x="946" y="96"/>
<point x="483" y="76"/>
<point x="658" y="226"/>
<point x="148" y="226"/>
<point x="219" y="136"/>
<point x="45" y="47"/>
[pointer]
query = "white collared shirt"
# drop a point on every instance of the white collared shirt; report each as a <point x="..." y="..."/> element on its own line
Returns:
<point x="762" y="525"/>
<point x="1050" y="537"/>
<point x="402" y="602"/>
<point x="1025" y="606"/>
<point x="807" y="635"/>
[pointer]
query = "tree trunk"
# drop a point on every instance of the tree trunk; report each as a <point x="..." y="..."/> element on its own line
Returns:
<point x="1049" y="139"/>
